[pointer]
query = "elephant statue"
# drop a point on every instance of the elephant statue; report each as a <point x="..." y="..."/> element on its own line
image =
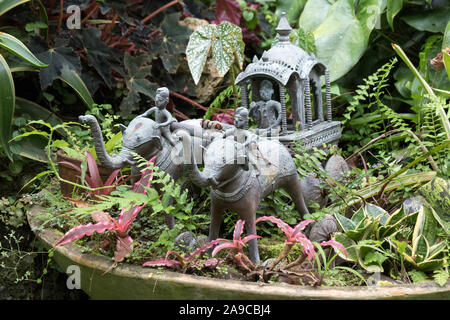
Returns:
<point x="143" y="138"/>
<point x="239" y="178"/>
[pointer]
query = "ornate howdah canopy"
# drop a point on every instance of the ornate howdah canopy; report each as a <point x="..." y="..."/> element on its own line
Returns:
<point x="289" y="68"/>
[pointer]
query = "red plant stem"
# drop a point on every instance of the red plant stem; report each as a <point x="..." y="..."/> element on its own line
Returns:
<point x="154" y="13"/>
<point x="198" y="105"/>
<point x="110" y="26"/>
<point x="90" y="13"/>
<point x="284" y="253"/>
<point x="299" y="260"/>
<point x="365" y="167"/>
<point x="58" y="28"/>
<point x="180" y="114"/>
<point x="121" y="38"/>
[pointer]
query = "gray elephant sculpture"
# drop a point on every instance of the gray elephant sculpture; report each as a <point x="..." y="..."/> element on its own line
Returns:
<point x="239" y="178"/>
<point x="142" y="136"/>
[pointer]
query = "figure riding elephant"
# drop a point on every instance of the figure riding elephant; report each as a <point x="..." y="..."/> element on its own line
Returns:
<point x="239" y="178"/>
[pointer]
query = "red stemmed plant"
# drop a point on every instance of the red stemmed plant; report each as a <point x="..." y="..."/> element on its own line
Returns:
<point x="237" y="244"/>
<point x="94" y="180"/>
<point x="106" y="222"/>
<point x="294" y="235"/>
<point x="180" y="261"/>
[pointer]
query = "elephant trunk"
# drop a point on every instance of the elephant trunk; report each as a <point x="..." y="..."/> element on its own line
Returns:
<point x="189" y="163"/>
<point x="117" y="161"/>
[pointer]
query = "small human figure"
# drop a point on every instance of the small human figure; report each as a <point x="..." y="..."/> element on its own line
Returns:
<point x="239" y="130"/>
<point x="266" y="112"/>
<point x="162" y="116"/>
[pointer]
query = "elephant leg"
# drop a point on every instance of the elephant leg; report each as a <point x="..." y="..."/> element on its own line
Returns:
<point x="216" y="220"/>
<point x="294" y="189"/>
<point x="251" y="229"/>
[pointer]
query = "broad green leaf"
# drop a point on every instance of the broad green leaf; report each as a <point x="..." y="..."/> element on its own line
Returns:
<point x="446" y="39"/>
<point x="16" y="47"/>
<point x="447" y="63"/>
<point x="72" y="78"/>
<point x="31" y="147"/>
<point x="342" y="37"/>
<point x="7" y="105"/>
<point x="430" y="20"/>
<point x="293" y="9"/>
<point x="37" y="112"/>
<point x="109" y="146"/>
<point x="314" y="14"/>
<point x="393" y="8"/>
<point x="6" y="5"/>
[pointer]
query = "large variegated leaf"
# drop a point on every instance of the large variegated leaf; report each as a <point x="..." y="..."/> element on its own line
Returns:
<point x="227" y="46"/>
<point x="376" y="212"/>
<point x="425" y="232"/>
<point x="7" y="104"/>
<point x="344" y="223"/>
<point x="226" y="43"/>
<point x="198" y="48"/>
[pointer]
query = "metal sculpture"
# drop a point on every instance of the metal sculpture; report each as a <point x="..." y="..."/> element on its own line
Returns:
<point x="238" y="184"/>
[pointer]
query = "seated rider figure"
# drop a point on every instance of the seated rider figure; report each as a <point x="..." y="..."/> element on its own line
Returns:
<point x="162" y="116"/>
<point x="239" y="132"/>
<point x="266" y="113"/>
